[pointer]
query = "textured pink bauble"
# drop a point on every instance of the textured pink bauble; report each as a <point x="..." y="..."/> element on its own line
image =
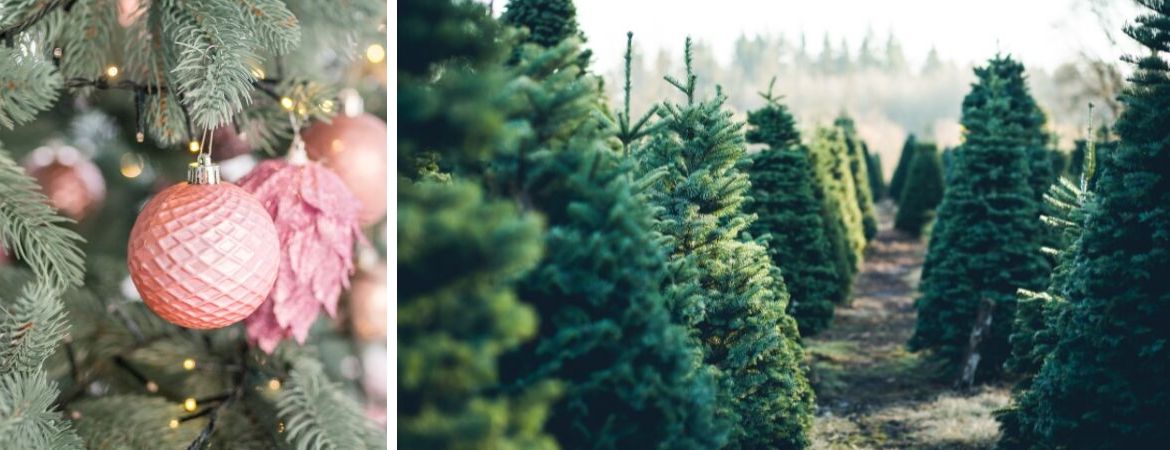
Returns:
<point x="203" y="255"/>
<point x="369" y="304"/>
<point x="355" y="148"/>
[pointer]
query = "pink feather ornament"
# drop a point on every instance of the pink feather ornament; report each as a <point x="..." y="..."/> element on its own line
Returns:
<point x="316" y="219"/>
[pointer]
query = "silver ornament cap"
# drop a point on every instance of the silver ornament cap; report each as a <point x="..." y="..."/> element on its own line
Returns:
<point x="203" y="171"/>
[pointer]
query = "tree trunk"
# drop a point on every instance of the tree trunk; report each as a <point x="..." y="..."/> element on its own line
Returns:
<point x="979" y="330"/>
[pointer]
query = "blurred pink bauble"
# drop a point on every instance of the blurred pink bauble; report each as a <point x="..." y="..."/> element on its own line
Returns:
<point x="355" y="148"/>
<point x="73" y="183"/>
<point x="203" y="256"/>
<point x="128" y="12"/>
<point x="368" y="304"/>
<point x="228" y="144"/>
<point x="316" y="219"/>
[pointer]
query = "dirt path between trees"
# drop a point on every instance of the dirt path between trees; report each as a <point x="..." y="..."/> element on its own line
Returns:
<point x="871" y="392"/>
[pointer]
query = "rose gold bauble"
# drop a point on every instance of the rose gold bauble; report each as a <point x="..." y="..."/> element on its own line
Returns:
<point x="368" y="303"/>
<point x="203" y="255"/>
<point x="73" y="183"/>
<point x="228" y="144"/>
<point x="355" y="148"/>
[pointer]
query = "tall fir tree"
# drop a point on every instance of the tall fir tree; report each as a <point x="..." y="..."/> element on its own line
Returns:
<point x="1035" y="327"/>
<point x="1106" y="384"/>
<point x="859" y="166"/>
<point x="904" y="159"/>
<point x="986" y="242"/>
<point x="548" y="23"/>
<point x="922" y="192"/>
<point x="831" y="163"/>
<point x="632" y="378"/>
<point x="873" y="163"/>
<point x="699" y="191"/>
<point x="460" y="251"/>
<point x="784" y="200"/>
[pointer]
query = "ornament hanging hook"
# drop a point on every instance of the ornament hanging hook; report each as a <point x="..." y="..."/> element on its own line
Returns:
<point x="296" y="151"/>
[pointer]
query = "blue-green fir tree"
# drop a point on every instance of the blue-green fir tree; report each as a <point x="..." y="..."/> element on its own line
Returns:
<point x="632" y="377"/>
<point x="873" y="163"/>
<point x="899" y="177"/>
<point x="1106" y="383"/>
<point x="986" y="241"/>
<point x="784" y="200"/>
<point x="922" y="192"/>
<point x="548" y="23"/>
<point x="461" y="249"/>
<point x="699" y="191"/>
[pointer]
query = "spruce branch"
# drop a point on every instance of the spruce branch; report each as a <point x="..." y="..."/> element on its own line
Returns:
<point x="28" y="85"/>
<point x="318" y="415"/>
<point x="28" y="418"/>
<point x="23" y="15"/>
<point x="32" y="230"/>
<point x="30" y="328"/>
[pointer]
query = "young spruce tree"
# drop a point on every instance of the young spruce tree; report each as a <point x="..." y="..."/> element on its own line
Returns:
<point x="922" y="192"/>
<point x="859" y="166"/>
<point x="699" y="192"/>
<point x="900" y="170"/>
<point x="460" y="251"/>
<point x="784" y="200"/>
<point x="873" y="164"/>
<point x="1106" y="384"/>
<point x="831" y="163"/>
<point x="986" y="242"/>
<point x="632" y="377"/>
<point x="548" y="22"/>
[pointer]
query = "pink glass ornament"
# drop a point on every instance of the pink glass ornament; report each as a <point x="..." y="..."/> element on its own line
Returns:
<point x="73" y="183"/>
<point x="355" y="148"/>
<point x="203" y="256"/>
<point x="368" y="303"/>
<point x="128" y="12"/>
<point x="316" y="219"/>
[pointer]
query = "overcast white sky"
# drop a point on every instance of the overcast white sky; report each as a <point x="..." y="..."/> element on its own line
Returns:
<point x="1043" y="33"/>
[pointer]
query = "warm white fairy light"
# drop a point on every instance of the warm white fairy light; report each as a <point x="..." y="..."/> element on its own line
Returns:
<point x="189" y="364"/>
<point x="190" y="405"/>
<point x="112" y="71"/>
<point x="375" y="53"/>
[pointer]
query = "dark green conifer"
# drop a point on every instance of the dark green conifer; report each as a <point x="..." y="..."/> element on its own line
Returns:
<point x="548" y="22"/>
<point x="986" y="243"/>
<point x="873" y="163"/>
<point x="459" y="251"/>
<point x="632" y="377"/>
<point x="922" y="192"/>
<point x="784" y="201"/>
<point x="699" y="191"/>
<point x="859" y="167"/>
<point x="900" y="171"/>
<point x="831" y="163"/>
<point x="1106" y="384"/>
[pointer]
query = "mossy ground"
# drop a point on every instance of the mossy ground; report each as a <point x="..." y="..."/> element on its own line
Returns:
<point x="871" y="392"/>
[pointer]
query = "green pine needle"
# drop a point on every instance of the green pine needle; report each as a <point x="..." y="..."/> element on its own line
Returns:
<point x="32" y="231"/>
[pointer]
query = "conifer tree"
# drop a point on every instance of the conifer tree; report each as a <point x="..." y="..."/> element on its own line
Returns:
<point x="873" y="163"/>
<point x="900" y="171"/>
<point x="1105" y="384"/>
<point x="986" y="242"/>
<point x="922" y="192"/>
<point x="460" y="251"/>
<point x="783" y="198"/>
<point x="632" y="377"/>
<point x="698" y="192"/>
<point x="831" y="164"/>
<point x="548" y="22"/>
<point x="859" y="167"/>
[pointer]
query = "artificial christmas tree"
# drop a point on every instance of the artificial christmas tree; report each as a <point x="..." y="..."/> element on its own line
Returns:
<point x="632" y="377"/>
<point x="859" y="167"/>
<point x="1105" y="383"/>
<point x="160" y="77"/>
<point x="784" y="200"/>
<point x="922" y="192"/>
<point x="986" y="242"/>
<point x="900" y="170"/>
<point x="746" y="333"/>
